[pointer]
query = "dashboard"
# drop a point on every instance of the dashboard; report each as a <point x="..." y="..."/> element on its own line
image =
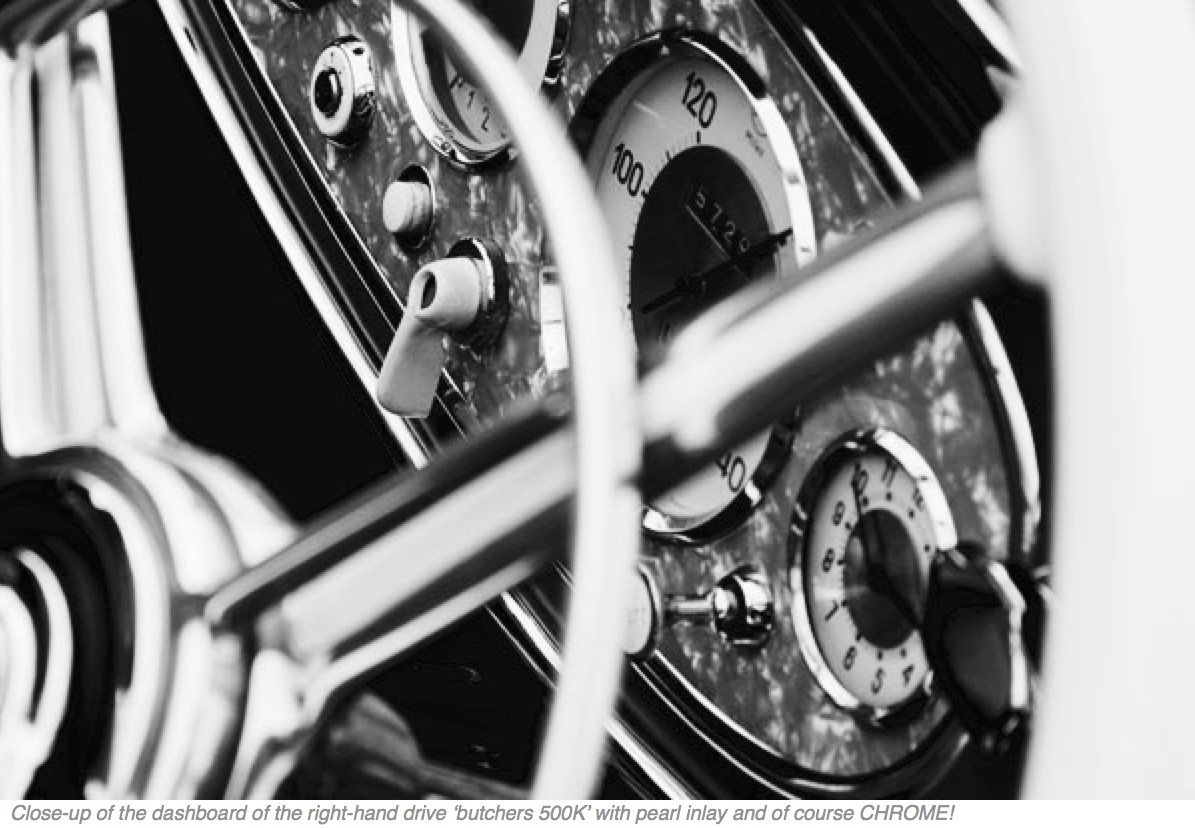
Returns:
<point x="726" y="146"/>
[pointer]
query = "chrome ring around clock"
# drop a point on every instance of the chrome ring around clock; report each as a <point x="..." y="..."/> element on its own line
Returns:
<point x="941" y="532"/>
<point x="540" y="60"/>
<point x="770" y="165"/>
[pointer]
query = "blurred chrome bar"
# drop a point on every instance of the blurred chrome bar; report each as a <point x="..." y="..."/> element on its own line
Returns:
<point x="37" y="21"/>
<point x="71" y="353"/>
<point x="754" y="358"/>
<point x="26" y="402"/>
<point x="131" y="403"/>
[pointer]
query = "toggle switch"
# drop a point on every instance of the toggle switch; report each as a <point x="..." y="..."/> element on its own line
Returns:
<point x="739" y="608"/>
<point x="464" y="297"/>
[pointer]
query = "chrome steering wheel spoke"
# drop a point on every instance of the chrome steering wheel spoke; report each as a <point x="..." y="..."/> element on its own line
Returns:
<point x="384" y="573"/>
<point x="71" y="347"/>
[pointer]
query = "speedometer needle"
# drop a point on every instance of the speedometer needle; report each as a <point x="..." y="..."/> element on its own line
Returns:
<point x="691" y="285"/>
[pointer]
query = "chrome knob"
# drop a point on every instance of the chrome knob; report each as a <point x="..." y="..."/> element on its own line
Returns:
<point x="739" y="607"/>
<point x="342" y="92"/>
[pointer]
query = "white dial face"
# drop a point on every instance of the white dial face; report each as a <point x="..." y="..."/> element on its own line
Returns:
<point x="473" y="117"/>
<point x="873" y="530"/>
<point x="702" y="191"/>
<point x="454" y="113"/>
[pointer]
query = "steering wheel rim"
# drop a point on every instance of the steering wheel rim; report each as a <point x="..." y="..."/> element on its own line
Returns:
<point x="609" y="445"/>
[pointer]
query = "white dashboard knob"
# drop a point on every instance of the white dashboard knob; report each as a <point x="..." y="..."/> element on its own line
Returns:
<point x="407" y="209"/>
<point x="641" y="625"/>
<point x="446" y="296"/>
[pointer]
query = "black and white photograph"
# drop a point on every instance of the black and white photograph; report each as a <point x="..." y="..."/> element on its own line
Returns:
<point x="626" y="400"/>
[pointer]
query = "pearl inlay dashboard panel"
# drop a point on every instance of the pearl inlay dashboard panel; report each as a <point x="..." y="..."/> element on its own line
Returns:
<point x="705" y="201"/>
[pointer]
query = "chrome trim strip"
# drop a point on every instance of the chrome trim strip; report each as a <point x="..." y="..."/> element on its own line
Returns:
<point x="636" y="750"/>
<point x="1024" y="446"/>
<point x="865" y="120"/>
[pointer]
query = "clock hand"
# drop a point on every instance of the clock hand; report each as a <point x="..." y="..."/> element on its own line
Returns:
<point x="689" y="285"/>
<point x="875" y="557"/>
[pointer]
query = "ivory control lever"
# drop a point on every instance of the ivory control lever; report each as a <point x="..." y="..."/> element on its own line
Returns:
<point x="465" y="297"/>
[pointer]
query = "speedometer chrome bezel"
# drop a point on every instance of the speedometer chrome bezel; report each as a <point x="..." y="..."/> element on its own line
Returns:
<point x="635" y="65"/>
<point x="543" y="64"/>
<point x="851" y="446"/>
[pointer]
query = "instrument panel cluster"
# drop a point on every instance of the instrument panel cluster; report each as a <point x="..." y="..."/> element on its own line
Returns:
<point x="720" y="159"/>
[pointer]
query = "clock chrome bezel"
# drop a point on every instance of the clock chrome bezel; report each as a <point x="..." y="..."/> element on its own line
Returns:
<point x="852" y="445"/>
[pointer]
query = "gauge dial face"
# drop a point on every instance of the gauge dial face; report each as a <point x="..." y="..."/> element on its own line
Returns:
<point x="703" y="194"/>
<point x="876" y="517"/>
<point x="449" y="107"/>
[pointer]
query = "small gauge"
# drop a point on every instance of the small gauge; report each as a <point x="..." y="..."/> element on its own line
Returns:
<point x="453" y="113"/>
<point x="869" y="519"/>
<point x="703" y="193"/>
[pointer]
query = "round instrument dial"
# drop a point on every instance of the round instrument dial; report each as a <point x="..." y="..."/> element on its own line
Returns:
<point x="453" y="113"/>
<point x="869" y="520"/>
<point x="703" y="193"/>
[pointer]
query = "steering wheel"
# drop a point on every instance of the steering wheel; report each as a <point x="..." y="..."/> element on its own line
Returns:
<point x="80" y="416"/>
<point x="185" y="549"/>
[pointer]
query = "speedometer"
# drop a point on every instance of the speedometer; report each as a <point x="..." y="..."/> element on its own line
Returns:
<point x="704" y="193"/>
